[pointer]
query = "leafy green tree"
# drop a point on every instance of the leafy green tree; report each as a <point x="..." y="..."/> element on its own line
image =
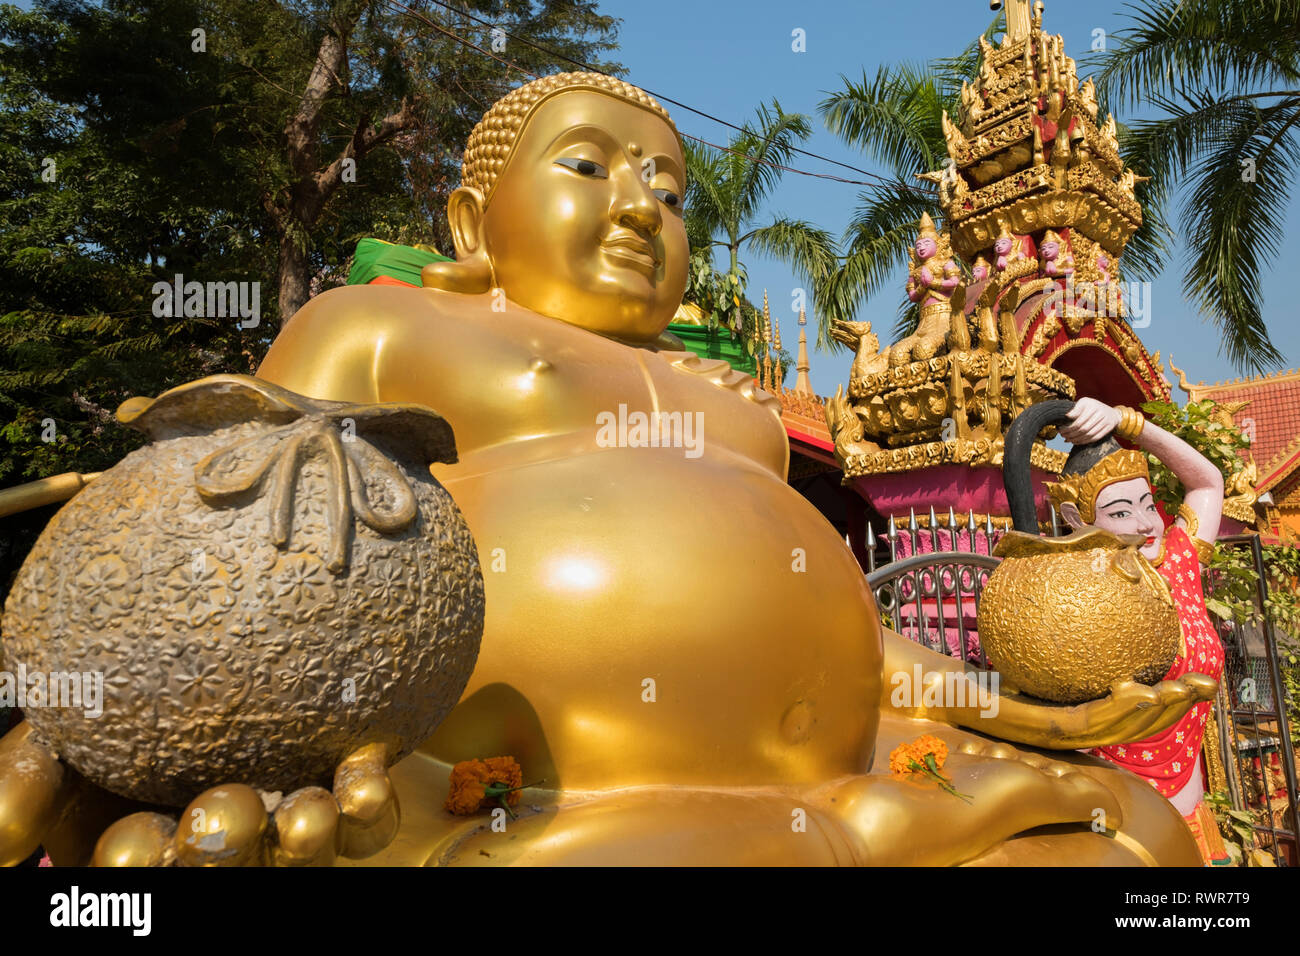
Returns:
<point x="220" y="140"/>
<point x="1226" y="76"/>
<point x="726" y="189"/>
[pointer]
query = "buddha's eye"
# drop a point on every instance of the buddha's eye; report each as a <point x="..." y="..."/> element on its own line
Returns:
<point x="669" y="198"/>
<point x="584" y="167"/>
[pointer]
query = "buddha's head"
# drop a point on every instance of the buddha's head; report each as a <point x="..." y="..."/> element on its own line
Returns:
<point x="571" y="204"/>
<point x="1109" y="487"/>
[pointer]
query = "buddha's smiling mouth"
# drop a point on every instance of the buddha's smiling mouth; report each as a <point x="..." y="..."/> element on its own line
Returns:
<point x="634" y="251"/>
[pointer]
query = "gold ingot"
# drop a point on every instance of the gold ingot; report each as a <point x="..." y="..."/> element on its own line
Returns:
<point x="269" y="585"/>
<point x="224" y="826"/>
<point x="1063" y="619"/>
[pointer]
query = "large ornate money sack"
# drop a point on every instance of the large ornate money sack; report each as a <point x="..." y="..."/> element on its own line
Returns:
<point x="270" y="583"/>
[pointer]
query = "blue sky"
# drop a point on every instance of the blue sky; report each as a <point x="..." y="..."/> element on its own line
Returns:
<point x="727" y="57"/>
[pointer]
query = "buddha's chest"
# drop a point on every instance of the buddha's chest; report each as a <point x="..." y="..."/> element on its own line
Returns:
<point x="551" y="390"/>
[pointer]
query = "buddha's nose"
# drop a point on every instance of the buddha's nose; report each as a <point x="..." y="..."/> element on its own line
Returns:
<point x="635" y="206"/>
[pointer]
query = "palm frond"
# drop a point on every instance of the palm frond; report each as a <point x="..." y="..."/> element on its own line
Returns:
<point x="1224" y="46"/>
<point x="877" y="243"/>
<point x="1231" y="221"/>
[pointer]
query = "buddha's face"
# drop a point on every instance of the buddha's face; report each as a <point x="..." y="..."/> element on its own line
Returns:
<point x="1128" y="507"/>
<point x="1050" y="250"/>
<point x="980" y="270"/>
<point x="1002" y="246"/>
<point x="925" y="247"/>
<point x="585" y="222"/>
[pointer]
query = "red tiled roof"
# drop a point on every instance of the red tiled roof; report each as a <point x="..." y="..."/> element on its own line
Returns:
<point x="1274" y="413"/>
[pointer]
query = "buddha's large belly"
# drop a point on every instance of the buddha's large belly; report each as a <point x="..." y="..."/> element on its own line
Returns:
<point x="655" y="618"/>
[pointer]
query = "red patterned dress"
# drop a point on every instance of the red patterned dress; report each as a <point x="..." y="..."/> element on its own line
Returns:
<point x="1168" y="759"/>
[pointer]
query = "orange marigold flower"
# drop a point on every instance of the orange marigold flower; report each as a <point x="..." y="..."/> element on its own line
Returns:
<point x="467" y="791"/>
<point x="930" y="744"/>
<point x="904" y="755"/>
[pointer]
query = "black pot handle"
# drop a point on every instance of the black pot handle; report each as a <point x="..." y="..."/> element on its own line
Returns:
<point x="1016" y="475"/>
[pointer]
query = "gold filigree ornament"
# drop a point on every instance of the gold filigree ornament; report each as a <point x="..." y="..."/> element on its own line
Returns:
<point x="268" y="585"/>
<point x="1064" y="619"/>
<point x="1082" y="490"/>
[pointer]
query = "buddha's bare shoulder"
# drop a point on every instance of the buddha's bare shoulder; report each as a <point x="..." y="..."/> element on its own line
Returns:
<point x="336" y="345"/>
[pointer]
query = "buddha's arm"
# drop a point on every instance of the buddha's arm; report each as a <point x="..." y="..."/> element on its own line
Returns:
<point x="332" y="347"/>
<point x="1130" y="712"/>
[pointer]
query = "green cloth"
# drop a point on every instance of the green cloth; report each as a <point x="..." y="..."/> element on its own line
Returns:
<point x="716" y="344"/>
<point x="375" y="258"/>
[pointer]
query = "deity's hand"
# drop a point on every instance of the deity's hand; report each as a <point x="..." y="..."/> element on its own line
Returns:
<point x="1090" y="421"/>
<point x="228" y="825"/>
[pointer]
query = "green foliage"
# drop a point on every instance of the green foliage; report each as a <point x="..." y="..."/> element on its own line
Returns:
<point x="1196" y="424"/>
<point x="1238" y="830"/>
<point x="726" y="189"/>
<point x="128" y="156"/>
<point x="895" y="118"/>
<point x="1226" y="74"/>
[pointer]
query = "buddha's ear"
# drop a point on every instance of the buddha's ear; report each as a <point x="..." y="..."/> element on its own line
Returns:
<point x="1071" y="515"/>
<point x="471" y="273"/>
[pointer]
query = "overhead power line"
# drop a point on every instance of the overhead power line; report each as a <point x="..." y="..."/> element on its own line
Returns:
<point x="881" y="183"/>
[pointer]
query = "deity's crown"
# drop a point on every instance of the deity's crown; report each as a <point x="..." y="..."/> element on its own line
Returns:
<point x="927" y="228"/>
<point x="1051" y="236"/>
<point x="1082" y="490"/>
<point x="494" y="138"/>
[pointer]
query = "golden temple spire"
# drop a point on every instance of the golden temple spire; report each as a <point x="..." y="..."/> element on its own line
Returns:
<point x="765" y="382"/>
<point x="802" y="384"/>
<point x="779" y="371"/>
<point x="1018" y="17"/>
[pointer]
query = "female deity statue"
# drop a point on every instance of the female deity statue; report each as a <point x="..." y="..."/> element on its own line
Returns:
<point x="931" y="279"/>
<point x="1109" y="487"/>
<point x="1056" y="261"/>
<point x="1007" y="249"/>
<point x="685" y="686"/>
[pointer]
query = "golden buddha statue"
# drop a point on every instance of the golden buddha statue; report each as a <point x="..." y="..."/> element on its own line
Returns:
<point x="683" y="685"/>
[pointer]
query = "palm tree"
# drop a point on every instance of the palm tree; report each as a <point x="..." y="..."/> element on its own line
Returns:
<point x="726" y="189"/>
<point x="896" y="119"/>
<point x="1226" y="74"/>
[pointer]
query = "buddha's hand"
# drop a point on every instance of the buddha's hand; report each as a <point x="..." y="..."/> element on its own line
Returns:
<point x="1090" y="421"/>
<point x="227" y="825"/>
<point x="1130" y="712"/>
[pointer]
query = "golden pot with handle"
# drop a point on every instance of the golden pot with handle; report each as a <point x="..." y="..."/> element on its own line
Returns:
<point x="1063" y="619"/>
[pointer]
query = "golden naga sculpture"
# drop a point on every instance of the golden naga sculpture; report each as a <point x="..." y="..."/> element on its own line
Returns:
<point x="932" y="279"/>
<point x="688" y="688"/>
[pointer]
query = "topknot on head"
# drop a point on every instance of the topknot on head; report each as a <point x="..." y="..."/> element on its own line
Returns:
<point x="494" y="138"/>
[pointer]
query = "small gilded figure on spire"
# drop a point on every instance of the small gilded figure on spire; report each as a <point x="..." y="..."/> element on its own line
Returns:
<point x="1007" y="249"/>
<point x="1055" y="258"/>
<point x="932" y="278"/>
